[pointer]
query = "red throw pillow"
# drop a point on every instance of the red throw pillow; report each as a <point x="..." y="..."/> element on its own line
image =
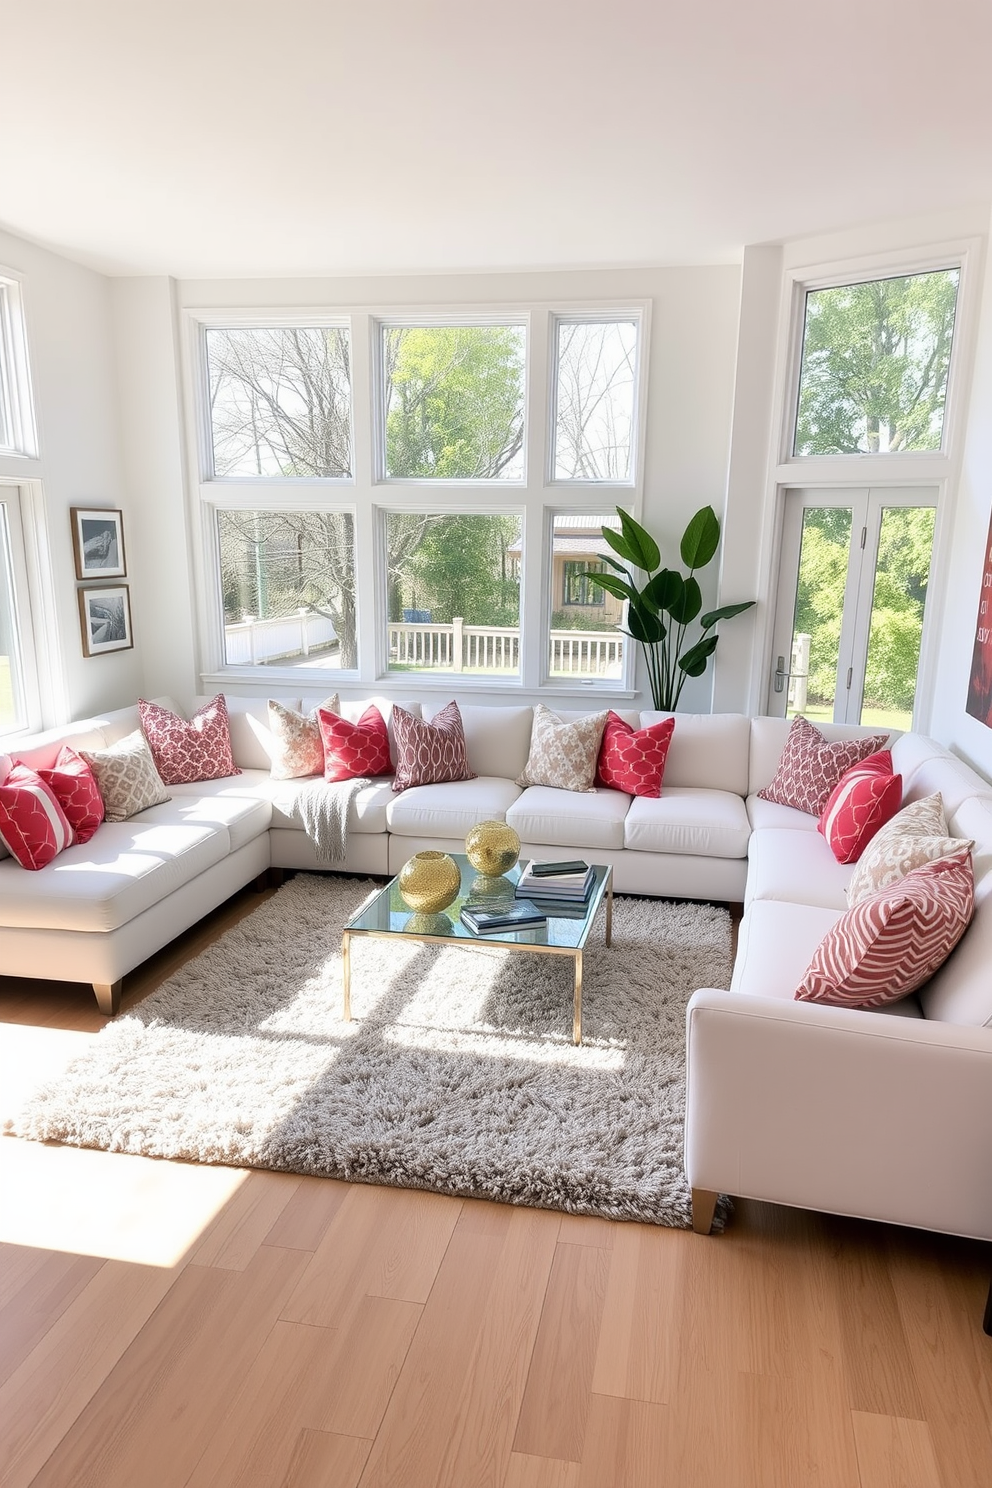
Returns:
<point x="864" y="799"/>
<point x="187" y="751"/>
<point x="633" y="760"/>
<point x="33" y="825"/>
<point x="353" y="749"/>
<point x="811" y="766"/>
<point x="77" y="793"/>
<point x="430" y="753"/>
<point x="890" y="943"/>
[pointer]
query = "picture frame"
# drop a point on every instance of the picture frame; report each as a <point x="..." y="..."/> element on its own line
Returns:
<point x="98" y="542"/>
<point x="105" y="619"/>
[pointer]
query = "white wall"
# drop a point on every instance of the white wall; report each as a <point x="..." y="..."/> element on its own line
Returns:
<point x="691" y="375"/>
<point x="67" y="314"/>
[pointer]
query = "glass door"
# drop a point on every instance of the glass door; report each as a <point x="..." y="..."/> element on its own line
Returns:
<point x="853" y="579"/>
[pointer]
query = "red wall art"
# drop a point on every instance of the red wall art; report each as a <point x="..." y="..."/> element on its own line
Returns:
<point x="980" y="685"/>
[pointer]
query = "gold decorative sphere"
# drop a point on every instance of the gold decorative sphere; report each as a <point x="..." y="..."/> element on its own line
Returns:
<point x="429" y="882"/>
<point x="430" y="924"/>
<point x="490" y="886"/>
<point x="492" y="847"/>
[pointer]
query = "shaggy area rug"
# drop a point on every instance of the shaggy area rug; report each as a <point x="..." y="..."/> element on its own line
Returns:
<point x="458" y="1073"/>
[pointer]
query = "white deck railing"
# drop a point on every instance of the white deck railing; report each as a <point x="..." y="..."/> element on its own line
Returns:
<point x="253" y="642"/>
<point x="491" y="648"/>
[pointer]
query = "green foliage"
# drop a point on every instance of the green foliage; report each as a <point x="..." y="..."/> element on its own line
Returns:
<point x="875" y="360"/>
<point x="454" y="401"/>
<point x="659" y="613"/>
<point x="459" y="567"/>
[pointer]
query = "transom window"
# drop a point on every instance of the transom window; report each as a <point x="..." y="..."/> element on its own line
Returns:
<point x="875" y="359"/>
<point x="595" y="381"/>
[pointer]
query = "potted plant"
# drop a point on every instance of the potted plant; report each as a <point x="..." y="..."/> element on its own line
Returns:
<point x="660" y="611"/>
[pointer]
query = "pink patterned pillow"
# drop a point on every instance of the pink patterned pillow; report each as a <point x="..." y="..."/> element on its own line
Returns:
<point x="889" y="944"/>
<point x="32" y="823"/>
<point x="77" y="793"/>
<point x="811" y="766"/>
<point x="185" y="752"/>
<point x="633" y="760"/>
<point x="430" y="753"/>
<point x="354" y="749"/>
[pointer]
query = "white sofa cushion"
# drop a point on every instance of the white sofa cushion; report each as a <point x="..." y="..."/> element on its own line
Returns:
<point x="926" y="767"/>
<point x="123" y="870"/>
<point x="497" y="739"/>
<point x="707" y="749"/>
<point x="768" y="736"/>
<point x="587" y="819"/>
<point x="796" y="868"/>
<point x="451" y="809"/>
<point x="251" y="741"/>
<point x="366" y="810"/>
<point x="764" y="814"/>
<point x="706" y="823"/>
<point x="775" y="944"/>
<point x="961" y="991"/>
<point x="233" y="802"/>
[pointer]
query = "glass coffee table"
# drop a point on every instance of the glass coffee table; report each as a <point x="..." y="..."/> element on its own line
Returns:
<point x="386" y="915"/>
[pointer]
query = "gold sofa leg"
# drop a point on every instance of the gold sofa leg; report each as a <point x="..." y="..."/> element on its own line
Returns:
<point x="108" y="997"/>
<point x="703" y="1209"/>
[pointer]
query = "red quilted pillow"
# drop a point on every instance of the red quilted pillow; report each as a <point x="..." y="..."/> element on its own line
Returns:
<point x="77" y="792"/>
<point x="353" y="749"/>
<point x="185" y="752"/>
<point x="864" y="799"/>
<point x="430" y="753"/>
<point x="33" y="825"/>
<point x="633" y="760"/>
<point x="890" y="943"/>
<point x="811" y="766"/>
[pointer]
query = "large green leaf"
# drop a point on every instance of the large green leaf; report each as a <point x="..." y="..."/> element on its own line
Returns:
<point x="693" y="663"/>
<point x="609" y="583"/>
<point x="618" y="566"/>
<point x="665" y="589"/>
<point x="725" y="612"/>
<point x="641" y="547"/>
<point x="645" y="627"/>
<point x="689" y="603"/>
<point x="701" y="538"/>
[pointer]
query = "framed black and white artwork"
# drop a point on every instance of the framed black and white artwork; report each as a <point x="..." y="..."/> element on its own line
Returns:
<point x="98" y="543"/>
<point x="105" y="620"/>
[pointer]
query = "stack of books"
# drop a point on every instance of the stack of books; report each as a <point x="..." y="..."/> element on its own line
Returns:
<point x="488" y="918"/>
<point x="559" y="888"/>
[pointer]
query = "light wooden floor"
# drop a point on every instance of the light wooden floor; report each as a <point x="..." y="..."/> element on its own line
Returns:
<point x="167" y="1326"/>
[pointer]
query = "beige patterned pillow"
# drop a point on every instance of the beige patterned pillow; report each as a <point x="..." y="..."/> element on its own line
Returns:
<point x="126" y="776"/>
<point x="915" y="835"/>
<point x="295" y="746"/>
<point x="563" y="754"/>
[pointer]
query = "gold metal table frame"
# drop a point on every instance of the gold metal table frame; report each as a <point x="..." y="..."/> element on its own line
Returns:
<point x="512" y="942"/>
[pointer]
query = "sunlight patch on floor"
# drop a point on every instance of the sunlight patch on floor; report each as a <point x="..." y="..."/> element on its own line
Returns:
<point x="498" y="1044"/>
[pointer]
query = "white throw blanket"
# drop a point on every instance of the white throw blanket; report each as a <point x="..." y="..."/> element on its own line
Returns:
<point x="323" y="808"/>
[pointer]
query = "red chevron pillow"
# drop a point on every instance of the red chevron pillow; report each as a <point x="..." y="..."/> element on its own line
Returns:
<point x="811" y="766"/>
<point x="354" y="749"/>
<point x="633" y="760"/>
<point x="889" y="944"/>
<point x="430" y="753"/>
<point x="33" y="825"/>
<point x="864" y="799"/>
<point x="77" y="793"/>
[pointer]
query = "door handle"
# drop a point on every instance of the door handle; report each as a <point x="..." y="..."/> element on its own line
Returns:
<point x="781" y="676"/>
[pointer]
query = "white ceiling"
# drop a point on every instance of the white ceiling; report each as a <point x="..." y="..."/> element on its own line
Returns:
<point x="288" y="137"/>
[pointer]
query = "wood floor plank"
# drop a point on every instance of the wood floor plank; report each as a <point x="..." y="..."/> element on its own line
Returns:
<point x="422" y="1410"/>
<point x="304" y="1221"/>
<point x="44" y="1397"/>
<point x="541" y="1472"/>
<point x="27" y="1315"/>
<point x="877" y="1361"/>
<point x="165" y="1395"/>
<point x="637" y="1354"/>
<point x="893" y="1453"/>
<point x="478" y="1445"/>
<point x="246" y="1221"/>
<point x="628" y="1444"/>
<point x="559" y="1385"/>
<point x="382" y="1242"/>
<point x="369" y="1353"/>
<point x="322" y="1460"/>
<point x="589" y="1229"/>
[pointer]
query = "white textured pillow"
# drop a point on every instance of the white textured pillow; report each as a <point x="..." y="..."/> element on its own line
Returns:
<point x="563" y="755"/>
<point x="294" y="745"/>
<point x="915" y="835"/>
<point x="126" y="777"/>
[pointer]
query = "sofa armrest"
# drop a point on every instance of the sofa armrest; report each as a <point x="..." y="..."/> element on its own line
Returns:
<point x="842" y="1110"/>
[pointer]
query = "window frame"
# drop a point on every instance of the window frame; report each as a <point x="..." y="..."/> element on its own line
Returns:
<point x="13" y="497"/>
<point x="20" y="436"/>
<point x="367" y="493"/>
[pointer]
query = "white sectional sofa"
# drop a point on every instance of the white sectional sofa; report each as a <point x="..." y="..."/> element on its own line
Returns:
<point x="884" y="1114"/>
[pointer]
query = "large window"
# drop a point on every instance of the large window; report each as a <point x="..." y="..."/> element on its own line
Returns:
<point x="16" y="699"/>
<point x="875" y="358"/>
<point x="17" y="435"/>
<point x="370" y="479"/>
